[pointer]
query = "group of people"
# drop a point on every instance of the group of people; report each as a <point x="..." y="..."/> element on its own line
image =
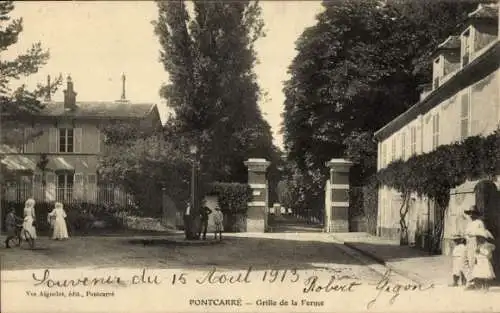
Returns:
<point x="24" y="227"/>
<point x="218" y="221"/>
<point x="218" y="218"/>
<point x="473" y="254"/>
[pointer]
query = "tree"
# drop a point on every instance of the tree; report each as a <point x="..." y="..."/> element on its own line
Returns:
<point x="20" y="101"/>
<point x="143" y="166"/>
<point x="209" y="56"/>
<point x="18" y="106"/>
<point x="358" y="68"/>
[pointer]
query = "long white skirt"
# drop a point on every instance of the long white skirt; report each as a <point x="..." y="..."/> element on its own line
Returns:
<point x="60" y="229"/>
<point x="483" y="269"/>
<point x="28" y="226"/>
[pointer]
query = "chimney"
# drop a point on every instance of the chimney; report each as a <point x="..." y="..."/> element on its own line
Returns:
<point x="47" y="95"/>
<point x="123" y="98"/>
<point x="69" y="95"/>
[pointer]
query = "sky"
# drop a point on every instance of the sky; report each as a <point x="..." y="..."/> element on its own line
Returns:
<point x="95" y="42"/>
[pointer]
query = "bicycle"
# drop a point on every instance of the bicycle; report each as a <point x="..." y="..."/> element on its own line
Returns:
<point x="20" y="233"/>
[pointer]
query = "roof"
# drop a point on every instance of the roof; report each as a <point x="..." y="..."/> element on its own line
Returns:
<point x="485" y="11"/>
<point x="100" y="109"/>
<point x="481" y="66"/>
<point x="15" y="162"/>
<point x="452" y="42"/>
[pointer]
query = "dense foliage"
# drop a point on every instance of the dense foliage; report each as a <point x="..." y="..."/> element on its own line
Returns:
<point x="209" y="54"/>
<point x="233" y="197"/>
<point x="213" y="92"/>
<point x="18" y="104"/>
<point x="145" y="165"/>
<point x="433" y="174"/>
<point x="356" y="69"/>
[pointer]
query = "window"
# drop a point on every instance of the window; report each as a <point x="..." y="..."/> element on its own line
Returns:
<point x="65" y="184"/>
<point x="66" y="138"/>
<point x="464" y="116"/>
<point x="436" y="74"/>
<point x="435" y="131"/>
<point x="466" y="48"/>
<point x="403" y="146"/>
<point x="393" y="149"/>
<point x="384" y="155"/>
<point x="413" y="140"/>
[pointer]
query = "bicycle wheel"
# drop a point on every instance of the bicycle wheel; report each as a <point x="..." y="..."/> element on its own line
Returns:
<point x="29" y="239"/>
<point x="14" y="242"/>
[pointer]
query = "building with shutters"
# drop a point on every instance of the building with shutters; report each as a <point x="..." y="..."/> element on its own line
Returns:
<point x="461" y="101"/>
<point x="67" y="138"/>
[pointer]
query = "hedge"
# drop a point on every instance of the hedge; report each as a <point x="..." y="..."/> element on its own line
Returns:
<point x="233" y="197"/>
<point x="80" y="216"/>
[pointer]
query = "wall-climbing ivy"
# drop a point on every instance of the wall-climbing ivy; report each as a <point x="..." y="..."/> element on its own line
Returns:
<point x="433" y="174"/>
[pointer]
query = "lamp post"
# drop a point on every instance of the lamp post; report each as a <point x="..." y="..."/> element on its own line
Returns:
<point x="191" y="226"/>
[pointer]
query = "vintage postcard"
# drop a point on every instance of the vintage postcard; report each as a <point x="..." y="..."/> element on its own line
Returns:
<point x="250" y="156"/>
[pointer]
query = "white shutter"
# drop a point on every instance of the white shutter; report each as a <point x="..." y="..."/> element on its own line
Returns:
<point x="37" y="187"/>
<point x="50" y="190"/>
<point x="98" y="131"/>
<point x="91" y="188"/>
<point x="78" y="187"/>
<point x="77" y="140"/>
<point x="28" y="140"/>
<point x="53" y="140"/>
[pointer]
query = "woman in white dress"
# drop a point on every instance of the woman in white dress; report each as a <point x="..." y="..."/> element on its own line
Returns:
<point x="59" y="215"/>
<point x="475" y="226"/>
<point x="483" y="272"/>
<point x="29" y="219"/>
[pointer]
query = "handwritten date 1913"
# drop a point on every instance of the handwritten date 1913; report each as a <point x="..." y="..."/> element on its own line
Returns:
<point x="284" y="275"/>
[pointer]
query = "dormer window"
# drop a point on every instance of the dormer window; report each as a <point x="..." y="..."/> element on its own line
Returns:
<point x="466" y="47"/>
<point x="438" y="69"/>
<point x="446" y="60"/>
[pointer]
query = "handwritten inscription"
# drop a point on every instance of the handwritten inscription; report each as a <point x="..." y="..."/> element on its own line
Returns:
<point x="385" y="286"/>
<point x="309" y="284"/>
<point x="334" y="284"/>
<point x="47" y="281"/>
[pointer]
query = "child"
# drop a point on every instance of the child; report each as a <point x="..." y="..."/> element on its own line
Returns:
<point x="459" y="260"/>
<point x="482" y="272"/>
<point x="218" y="220"/>
<point x="11" y="227"/>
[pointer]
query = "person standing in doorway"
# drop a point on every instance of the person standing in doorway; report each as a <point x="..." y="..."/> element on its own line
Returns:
<point x="205" y="212"/>
<point x="474" y="226"/>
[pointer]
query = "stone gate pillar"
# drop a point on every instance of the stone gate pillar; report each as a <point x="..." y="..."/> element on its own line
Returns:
<point x="257" y="208"/>
<point x="338" y="212"/>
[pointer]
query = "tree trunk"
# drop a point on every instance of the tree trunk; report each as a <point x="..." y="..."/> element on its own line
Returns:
<point x="403" y="211"/>
<point x="192" y="221"/>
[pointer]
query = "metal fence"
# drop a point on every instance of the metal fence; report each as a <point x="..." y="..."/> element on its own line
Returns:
<point x="15" y="192"/>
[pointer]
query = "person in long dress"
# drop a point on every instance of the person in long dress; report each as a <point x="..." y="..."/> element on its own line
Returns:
<point x="475" y="225"/>
<point x="483" y="272"/>
<point x="59" y="216"/>
<point x="29" y="219"/>
<point x="219" y="223"/>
